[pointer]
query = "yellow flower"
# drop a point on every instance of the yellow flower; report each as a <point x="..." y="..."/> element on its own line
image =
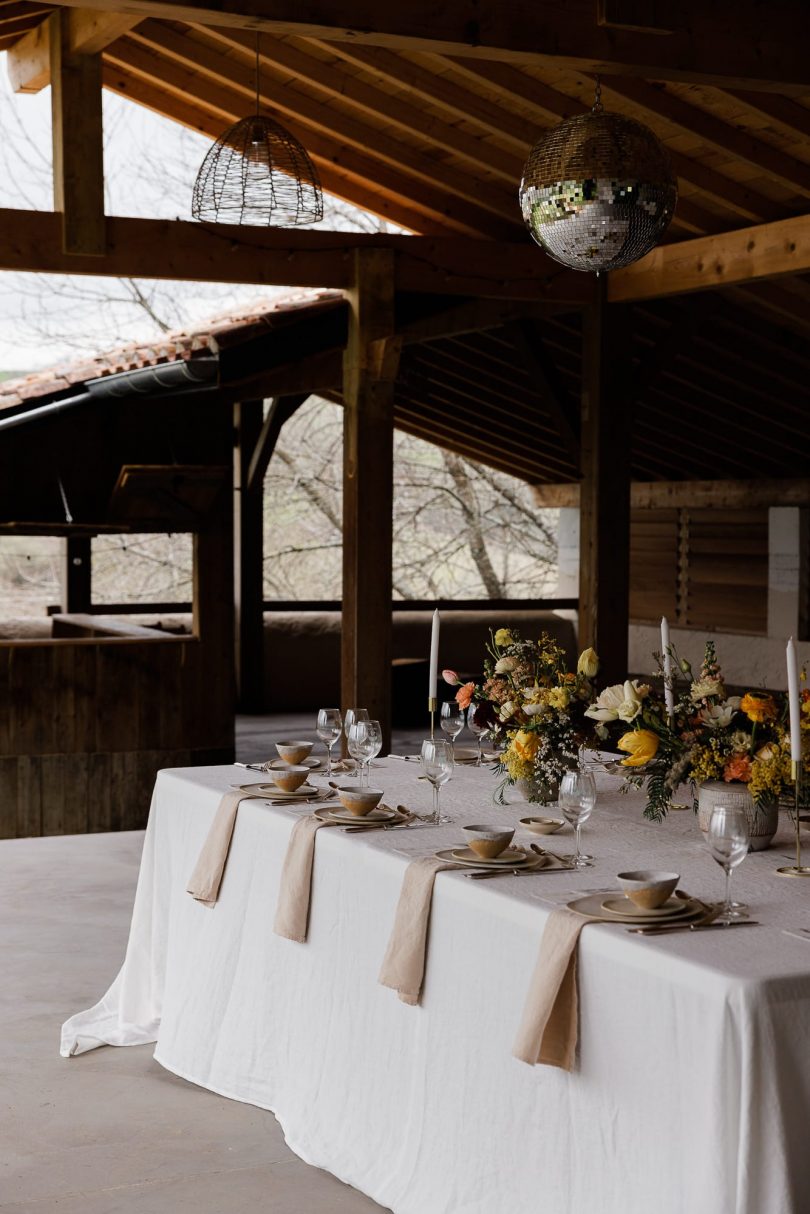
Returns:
<point x="641" y="745"/>
<point x="758" y="708"/>
<point x="588" y="663"/>
<point x="503" y="637"/>
<point x="559" y="697"/>
<point x="525" y="745"/>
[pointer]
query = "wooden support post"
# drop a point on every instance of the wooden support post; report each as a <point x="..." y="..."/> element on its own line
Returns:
<point x="76" y="574"/>
<point x="248" y="561"/>
<point x="369" y="371"/>
<point x="213" y="623"/>
<point x="78" y="148"/>
<point x="605" y="493"/>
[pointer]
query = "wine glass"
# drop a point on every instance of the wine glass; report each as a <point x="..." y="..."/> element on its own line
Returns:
<point x="329" y="728"/>
<point x="478" y="729"/>
<point x="352" y="715"/>
<point x="728" y="838"/>
<point x="576" y="799"/>
<point x="362" y="744"/>
<point x="374" y="741"/>
<point x="452" y="721"/>
<point x="437" y="765"/>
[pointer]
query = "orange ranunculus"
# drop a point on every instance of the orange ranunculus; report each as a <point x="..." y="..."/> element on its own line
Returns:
<point x="641" y="746"/>
<point x="464" y="695"/>
<point x="738" y="767"/>
<point x="758" y="708"/>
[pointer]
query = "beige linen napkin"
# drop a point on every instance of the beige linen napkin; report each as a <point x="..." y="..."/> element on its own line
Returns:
<point x="548" y="1030"/>
<point x="206" y="879"/>
<point x="403" y="968"/>
<point x="292" y="908"/>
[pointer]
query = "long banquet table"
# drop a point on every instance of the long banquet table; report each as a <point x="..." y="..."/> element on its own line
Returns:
<point x="692" y="1088"/>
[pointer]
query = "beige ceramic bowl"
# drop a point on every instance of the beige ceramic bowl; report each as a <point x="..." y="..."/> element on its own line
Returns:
<point x="295" y="751"/>
<point x="288" y="779"/>
<point x="648" y="888"/>
<point x="542" y="826"/>
<point x="360" y="801"/>
<point x="488" y="841"/>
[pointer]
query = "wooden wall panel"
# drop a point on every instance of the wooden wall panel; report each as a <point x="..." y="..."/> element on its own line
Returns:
<point x="85" y="725"/>
<point x="703" y="569"/>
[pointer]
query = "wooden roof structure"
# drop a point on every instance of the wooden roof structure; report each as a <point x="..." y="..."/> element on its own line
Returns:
<point x="691" y="363"/>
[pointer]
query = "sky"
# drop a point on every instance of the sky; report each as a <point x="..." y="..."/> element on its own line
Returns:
<point x="150" y="167"/>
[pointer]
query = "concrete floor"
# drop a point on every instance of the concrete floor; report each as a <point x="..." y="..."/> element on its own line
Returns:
<point x="111" y="1132"/>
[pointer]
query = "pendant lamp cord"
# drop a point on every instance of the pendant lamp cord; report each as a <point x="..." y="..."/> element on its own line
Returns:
<point x="257" y="73"/>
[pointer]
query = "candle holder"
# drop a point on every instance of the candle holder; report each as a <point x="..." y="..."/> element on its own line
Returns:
<point x="433" y="705"/>
<point x="798" y="869"/>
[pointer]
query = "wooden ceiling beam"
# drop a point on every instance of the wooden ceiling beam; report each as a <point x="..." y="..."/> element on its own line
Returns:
<point x="347" y="89"/>
<point x="177" y="63"/>
<point x="770" y="250"/>
<point x="174" y="249"/>
<point x="656" y="101"/>
<point x="89" y="31"/>
<point x="695" y="495"/>
<point x="723" y="43"/>
<point x="786" y="113"/>
<point x="469" y="316"/>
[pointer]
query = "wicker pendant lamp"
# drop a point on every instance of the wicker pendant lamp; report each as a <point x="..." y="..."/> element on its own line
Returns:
<point x="598" y="191"/>
<point x="257" y="174"/>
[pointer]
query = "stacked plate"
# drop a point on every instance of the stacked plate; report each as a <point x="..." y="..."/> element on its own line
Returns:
<point x="513" y="857"/>
<point x="616" y="908"/>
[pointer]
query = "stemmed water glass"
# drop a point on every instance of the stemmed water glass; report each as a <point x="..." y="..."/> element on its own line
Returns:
<point x="352" y="715"/>
<point x="329" y="728"/>
<point x="478" y="729"/>
<point x="365" y="741"/>
<point x="452" y="721"/>
<point x="437" y="765"/>
<point x="577" y="797"/>
<point x="728" y="838"/>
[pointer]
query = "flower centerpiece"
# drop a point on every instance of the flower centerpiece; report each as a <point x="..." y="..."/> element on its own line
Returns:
<point x="533" y="702"/>
<point x="727" y="746"/>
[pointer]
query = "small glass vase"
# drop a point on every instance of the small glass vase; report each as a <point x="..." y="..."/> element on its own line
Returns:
<point x="533" y="790"/>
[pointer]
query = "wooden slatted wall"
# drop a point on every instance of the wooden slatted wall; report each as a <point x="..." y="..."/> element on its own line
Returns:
<point x="700" y="568"/>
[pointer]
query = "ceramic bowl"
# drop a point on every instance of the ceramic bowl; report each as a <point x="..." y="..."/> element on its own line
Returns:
<point x="294" y="751"/>
<point x="542" y="826"/>
<point x="288" y="779"/>
<point x="648" y="888"/>
<point x="359" y="801"/>
<point x="487" y="841"/>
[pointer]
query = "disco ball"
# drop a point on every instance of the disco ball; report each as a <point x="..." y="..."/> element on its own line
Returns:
<point x="598" y="191"/>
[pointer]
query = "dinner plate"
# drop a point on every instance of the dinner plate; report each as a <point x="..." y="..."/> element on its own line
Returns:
<point x="304" y="792"/>
<point x="347" y="819"/>
<point x="312" y="762"/>
<point x="625" y="909"/>
<point x="511" y="859"/>
<point x="451" y="854"/>
<point x="591" y="905"/>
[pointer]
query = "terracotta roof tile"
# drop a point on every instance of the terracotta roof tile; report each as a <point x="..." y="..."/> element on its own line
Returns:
<point x="229" y="328"/>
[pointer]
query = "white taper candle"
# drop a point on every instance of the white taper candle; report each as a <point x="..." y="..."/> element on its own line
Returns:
<point x="794" y="702"/>
<point x="434" y="658"/>
<point x="669" y="694"/>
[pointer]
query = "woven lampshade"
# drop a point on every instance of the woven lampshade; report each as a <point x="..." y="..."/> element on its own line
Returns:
<point x="257" y="174"/>
<point x="598" y="191"/>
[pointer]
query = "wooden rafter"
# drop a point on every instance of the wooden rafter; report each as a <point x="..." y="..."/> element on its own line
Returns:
<point x="771" y="250"/>
<point x="720" y="43"/>
<point x="88" y="32"/>
<point x="174" y="249"/>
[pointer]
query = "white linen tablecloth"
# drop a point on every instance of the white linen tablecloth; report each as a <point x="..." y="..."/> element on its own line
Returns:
<point x="692" y="1088"/>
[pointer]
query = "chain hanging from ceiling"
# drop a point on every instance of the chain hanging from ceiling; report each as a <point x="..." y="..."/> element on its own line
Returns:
<point x="598" y="191"/>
